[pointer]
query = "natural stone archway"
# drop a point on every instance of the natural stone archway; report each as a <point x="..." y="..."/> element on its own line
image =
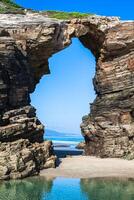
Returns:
<point x="26" y="43"/>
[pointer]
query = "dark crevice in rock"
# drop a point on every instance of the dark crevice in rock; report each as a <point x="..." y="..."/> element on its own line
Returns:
<point x="4" y="33"/>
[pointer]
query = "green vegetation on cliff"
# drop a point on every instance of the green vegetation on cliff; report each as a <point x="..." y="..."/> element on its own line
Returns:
<point x="10" y="3"/>
<point x="65" y="15"/>
<point x="9" y="6"/>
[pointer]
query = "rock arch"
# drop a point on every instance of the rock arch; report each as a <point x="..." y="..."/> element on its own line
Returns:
<point x="26" y="43"/>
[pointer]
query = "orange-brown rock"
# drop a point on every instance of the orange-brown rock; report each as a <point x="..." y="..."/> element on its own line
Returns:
<point x="27" y="41"/>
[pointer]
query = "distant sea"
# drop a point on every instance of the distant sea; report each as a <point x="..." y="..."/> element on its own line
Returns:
<point x="64" y="141"/>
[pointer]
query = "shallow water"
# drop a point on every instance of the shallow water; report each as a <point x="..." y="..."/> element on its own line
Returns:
<point x="38" y="188"/>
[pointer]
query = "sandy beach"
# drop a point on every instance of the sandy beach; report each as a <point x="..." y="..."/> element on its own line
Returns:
<point x="91" y="167"/>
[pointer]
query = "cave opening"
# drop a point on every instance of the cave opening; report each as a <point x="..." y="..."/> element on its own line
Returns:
<point x="63" y="98"/>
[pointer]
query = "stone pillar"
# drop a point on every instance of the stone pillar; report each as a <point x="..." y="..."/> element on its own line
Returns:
<point x="109" y="128"/>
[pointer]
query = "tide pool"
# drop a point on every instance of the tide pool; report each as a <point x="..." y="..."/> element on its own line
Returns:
<point x="38" y="188"/>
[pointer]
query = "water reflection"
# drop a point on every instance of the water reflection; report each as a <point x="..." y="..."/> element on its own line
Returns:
<point x="38" y="188"/>
<point x="35" y="188"/>
<point x="106" y="189"/>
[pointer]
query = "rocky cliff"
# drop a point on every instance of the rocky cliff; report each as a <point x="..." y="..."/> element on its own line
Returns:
<point x="27" y="41"/>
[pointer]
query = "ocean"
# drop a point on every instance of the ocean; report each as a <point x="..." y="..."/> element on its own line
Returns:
<point x="65" y="142"/>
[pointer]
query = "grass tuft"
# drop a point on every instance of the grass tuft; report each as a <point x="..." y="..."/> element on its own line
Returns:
<point x="10" y="3"/>
<point x="8" y="6"/>
<point x="66" y="15"/>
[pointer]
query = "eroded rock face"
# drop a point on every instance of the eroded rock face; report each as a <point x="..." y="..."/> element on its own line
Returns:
<point x="109" y="128"/>
<point x="26" y="43"/>
<point x="81" y="145"/>
<point x="21" y="158"/>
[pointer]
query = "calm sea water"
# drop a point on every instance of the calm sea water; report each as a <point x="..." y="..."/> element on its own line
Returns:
<point x="63" y="140"/>
<point x="38" y="188"/>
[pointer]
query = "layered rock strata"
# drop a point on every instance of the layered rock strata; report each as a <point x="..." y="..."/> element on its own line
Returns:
<point x="109" y="128"/>
<point x="21" y="158"/>
<point x="26" y="43"/>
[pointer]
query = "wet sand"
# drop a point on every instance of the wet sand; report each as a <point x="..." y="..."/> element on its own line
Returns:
<point x="91" y="167"/>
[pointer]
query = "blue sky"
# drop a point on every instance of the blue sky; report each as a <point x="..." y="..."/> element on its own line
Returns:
<point x="122" y="8"/>
<point x="63" y="97"/>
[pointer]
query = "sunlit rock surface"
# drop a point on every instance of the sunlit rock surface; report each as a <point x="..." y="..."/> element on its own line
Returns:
<point x="26" y="43"/>
<point x="21" y="158"/>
